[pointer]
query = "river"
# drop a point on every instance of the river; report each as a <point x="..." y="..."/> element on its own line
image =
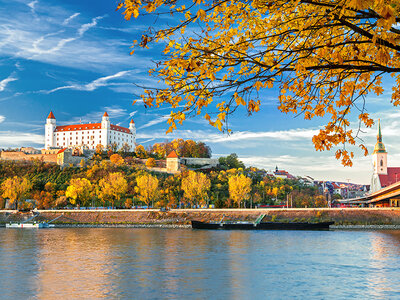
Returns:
<point x="129" y="263"/>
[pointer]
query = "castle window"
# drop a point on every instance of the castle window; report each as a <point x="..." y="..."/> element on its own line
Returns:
<point x="381" y="163"/>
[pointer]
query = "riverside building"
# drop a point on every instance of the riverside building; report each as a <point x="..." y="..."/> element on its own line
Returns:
<point x="382" y="175"/>
<point x="89" y="135"/>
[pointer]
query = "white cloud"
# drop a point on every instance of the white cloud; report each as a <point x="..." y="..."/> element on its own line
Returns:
<point x="18" y="139"/>
<point x="2" y="118"/>
<point x="132" y="114"/>
<point x="239" y="136"/>
<point x="86" y="27"/>
<point x="155" y="121"/>
<point x="316" y="166"/>
<point x="70" y="18"/>
<point x="44" y="38"/>
<point x="95" y="116"/>
<point x="91" y="86"/>
<point x="4" y="82"/>
<point x="32" y="5"/>
<point x="62" y="42"/>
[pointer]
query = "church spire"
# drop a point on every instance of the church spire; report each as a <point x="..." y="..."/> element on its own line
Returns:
<point x="379" y="146"/>
<point x="379" y="137"/>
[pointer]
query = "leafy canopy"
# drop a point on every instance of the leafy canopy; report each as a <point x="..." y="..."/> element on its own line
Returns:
<point x="239" y="187"/>
<point x="323" y="56"/>
<point x="147" y="188"/>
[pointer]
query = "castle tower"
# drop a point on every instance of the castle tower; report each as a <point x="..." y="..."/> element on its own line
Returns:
<point x="105" y="129"/>
<point x="379" y="157"/>
<point x="49" y="131"/>
<point x="132" y="128"/>
<point x="173" y="162"/>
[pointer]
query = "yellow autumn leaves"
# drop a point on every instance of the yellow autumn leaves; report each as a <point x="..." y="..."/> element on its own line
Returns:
<point x="322" y="57"/>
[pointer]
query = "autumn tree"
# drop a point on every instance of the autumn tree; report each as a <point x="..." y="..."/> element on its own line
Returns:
<point x="140" y="152"/>
<point x="112" y="187"/>
<point x="116" y="159"/>
<point x="324" y="58"/>
<point x="239" y="188"/>
<point x="79" y="191"/>
<point x="44" y="200"/>
<point x="16" y="189"/>
<point x="150" y="162"/>
<point x="147" y="188"/>
<point x="196" y="186"/>
<point x="125" y="148"/>
<point x="99" y="149"/>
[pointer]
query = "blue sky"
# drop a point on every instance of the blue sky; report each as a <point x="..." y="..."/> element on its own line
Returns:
<point x="72" y="57"/>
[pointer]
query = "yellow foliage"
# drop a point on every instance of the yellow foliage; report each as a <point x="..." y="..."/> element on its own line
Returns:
<point x="79" y="189"/>
<point x="15" y="189"/>
<point x="239" y="187"/>
<point x="150" y="162"/>
<point x="117" y="159"/>
<point x="195" y="186"/>
<point x="112" y="187"/>
<point x="147" y="188"/>
<point x="324" y="57"/>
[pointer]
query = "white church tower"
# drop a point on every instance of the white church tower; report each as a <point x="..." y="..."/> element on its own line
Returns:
<point x="49" y="131"/>
<point x="132" y="129"/>
<point x="379" y="157"/>
<point x="105" y="129"/>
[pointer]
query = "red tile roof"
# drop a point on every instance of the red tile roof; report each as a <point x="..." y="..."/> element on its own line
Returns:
<point x="119" y="128"/>
<point x="393" y="175"/>
<point x="51" y="115"/>
<point x="172" y="155"/>
<point x="132" y="121"/>
<point x="105" y="114"/>
<point x="78" y="127"/>
<point x="62" y="150"/>
<point x="91" y="126"/>
<point x="284" y="173"/>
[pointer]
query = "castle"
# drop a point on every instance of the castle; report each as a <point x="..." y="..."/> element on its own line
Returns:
<point x="89" y="135"/>
<point x="382" y="175"/>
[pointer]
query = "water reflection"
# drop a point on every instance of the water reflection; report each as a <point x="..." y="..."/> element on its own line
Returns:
<point x="85" y="263"/>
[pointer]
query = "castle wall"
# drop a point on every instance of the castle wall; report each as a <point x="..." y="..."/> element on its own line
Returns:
<point x="199" y="161"/>
<point x="50" y="158"/>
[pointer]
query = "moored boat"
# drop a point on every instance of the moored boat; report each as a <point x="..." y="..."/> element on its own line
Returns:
<point x="263" y="225"/>
<point x="29" y="225"/>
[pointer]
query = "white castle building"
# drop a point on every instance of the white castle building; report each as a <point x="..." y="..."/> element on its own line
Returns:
<point x="89" y="135"/>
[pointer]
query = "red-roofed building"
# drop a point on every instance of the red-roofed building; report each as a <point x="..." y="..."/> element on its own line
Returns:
<point x="172" y="154"/>
<point x="88" y="135"/>
<point x="173" y="162"/>
<point x="383" y="175"/>
<point x="282" y="174"/>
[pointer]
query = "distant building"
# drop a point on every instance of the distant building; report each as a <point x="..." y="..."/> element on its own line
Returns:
<point x="282" y="174"/>
<point x="89" y="135"/>
<point x="73" y="157"/>
<point x="382" y="175"/>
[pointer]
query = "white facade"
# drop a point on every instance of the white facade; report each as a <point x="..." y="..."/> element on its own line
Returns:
<point x="89" y="135"/>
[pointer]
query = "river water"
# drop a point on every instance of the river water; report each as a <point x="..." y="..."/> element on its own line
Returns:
<point x="128" y="263"/>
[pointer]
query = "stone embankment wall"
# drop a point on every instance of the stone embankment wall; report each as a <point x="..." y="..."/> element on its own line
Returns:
<point x="347" y="216"/>
<point x="51" y="158"/>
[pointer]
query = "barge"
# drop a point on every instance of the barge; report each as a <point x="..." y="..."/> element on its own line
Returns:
<point x="259" y="225"/>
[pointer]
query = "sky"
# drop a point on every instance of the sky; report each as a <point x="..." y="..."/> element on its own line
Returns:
<point x="72" y="58"/>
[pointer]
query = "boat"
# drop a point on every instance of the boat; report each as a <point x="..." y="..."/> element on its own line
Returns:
<point x="259" y="225"/>
<point x="29" y="225"/>
<point x="34" y="224"/>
